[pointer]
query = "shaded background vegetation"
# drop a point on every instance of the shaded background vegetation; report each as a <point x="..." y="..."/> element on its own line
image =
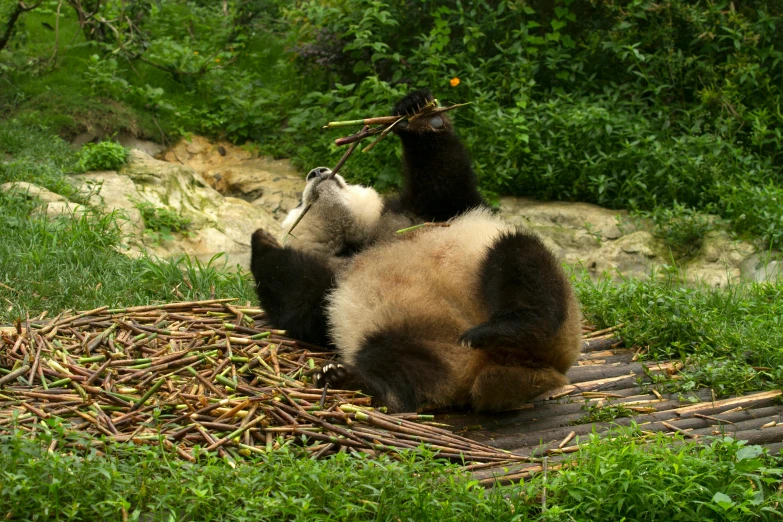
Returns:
<point x="628" y="104"/>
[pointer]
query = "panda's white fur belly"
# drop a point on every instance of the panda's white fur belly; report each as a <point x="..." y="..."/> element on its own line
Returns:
<point x="432" y="272"/>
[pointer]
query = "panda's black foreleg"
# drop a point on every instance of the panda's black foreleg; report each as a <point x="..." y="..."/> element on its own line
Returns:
<point x="291" y="286"/>
<point x="439" y="182"/>
<point x="526" y="294"/>
<point x="392" y="389"/>
<point x="395" y="367"/>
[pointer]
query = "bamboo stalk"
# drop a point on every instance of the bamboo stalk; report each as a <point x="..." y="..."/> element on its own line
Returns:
<point x="14" y="374"/>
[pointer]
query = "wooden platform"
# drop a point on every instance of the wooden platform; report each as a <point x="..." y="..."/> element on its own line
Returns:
<point x="610" y="379"/>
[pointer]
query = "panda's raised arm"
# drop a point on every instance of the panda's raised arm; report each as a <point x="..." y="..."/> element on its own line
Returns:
<point x="439" y="182"/>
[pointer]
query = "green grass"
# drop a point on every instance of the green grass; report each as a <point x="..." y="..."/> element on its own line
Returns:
<point x="37" y="485"/>
<point x="78" y="263"/>
<point x="618" y="479"/>
<point x="57" y="94"/>
<point x="621" y="479"/>
<point x="723" y="333"/>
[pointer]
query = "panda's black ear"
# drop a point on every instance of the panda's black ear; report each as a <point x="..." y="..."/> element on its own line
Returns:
<point x="413" y="102"/>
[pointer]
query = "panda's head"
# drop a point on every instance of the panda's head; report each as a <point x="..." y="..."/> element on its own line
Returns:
<point x="336" y="205"/>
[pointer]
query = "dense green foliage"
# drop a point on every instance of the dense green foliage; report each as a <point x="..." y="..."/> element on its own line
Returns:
<point x="636" y="104"/>
<point x="633" y="104"/>
<point x="608" y="480"/>
<point x="105" y="155"/>
<point x="153" y="485"/>
<point x="621" y="479"/>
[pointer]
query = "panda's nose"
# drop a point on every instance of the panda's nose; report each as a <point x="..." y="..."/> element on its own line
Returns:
<point x="318" y="172"/>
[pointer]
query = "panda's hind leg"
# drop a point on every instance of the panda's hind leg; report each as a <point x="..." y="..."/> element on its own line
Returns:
<point x="505" y="387"/>
<point x="292" y="287"/>
<point x="528" y="298"/>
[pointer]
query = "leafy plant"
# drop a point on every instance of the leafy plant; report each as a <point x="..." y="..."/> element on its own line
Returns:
<point x="681" y="228"/>
<point x="639" y="105"/>
<point x="625" y="478"/>
<point x="710" y="328"/>
<point x="160" y="222"/>
<point x="104" y="155"/>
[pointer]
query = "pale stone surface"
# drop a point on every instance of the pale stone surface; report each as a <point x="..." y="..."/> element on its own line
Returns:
<point x="227" y="193"/>
<point x="64" y="209"/>
<point x="53" y="204"/>
<point x="763" y="267"/>
<point x="603" y="241"/>
<point x="218" y="224"/>
<point x="235" y="171"/>
<point x="29" y="189"/>
<point x="150" y="147"/>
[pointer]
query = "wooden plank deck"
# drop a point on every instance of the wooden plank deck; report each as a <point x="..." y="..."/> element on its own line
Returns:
<point x="606" y="376"/>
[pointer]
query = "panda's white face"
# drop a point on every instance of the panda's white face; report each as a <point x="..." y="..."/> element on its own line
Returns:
<point x="337" y="209"/>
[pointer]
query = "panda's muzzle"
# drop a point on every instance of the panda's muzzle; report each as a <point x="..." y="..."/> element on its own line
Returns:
<point x="319" y="172"/>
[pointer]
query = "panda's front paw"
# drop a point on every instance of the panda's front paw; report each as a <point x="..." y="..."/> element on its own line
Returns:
<point x="335" y="375"/>
<point x="412" y="103"/>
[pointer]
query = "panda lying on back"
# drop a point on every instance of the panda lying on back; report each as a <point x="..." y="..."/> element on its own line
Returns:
<point x="474" y="314"/>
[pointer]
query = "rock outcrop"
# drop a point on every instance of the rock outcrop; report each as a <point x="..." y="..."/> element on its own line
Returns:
<point x="226" y="192"/>
<point x="234" y="171"/>
<point x="603" y="241"/>
<point x="218" y="224"/>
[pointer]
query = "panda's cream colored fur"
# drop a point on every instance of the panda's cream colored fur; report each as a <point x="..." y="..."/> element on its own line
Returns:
<point x="431" y="271"/>
<point x="341" y="215"/>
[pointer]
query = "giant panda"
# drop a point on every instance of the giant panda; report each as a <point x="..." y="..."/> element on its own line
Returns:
<point x="474" y="314"/>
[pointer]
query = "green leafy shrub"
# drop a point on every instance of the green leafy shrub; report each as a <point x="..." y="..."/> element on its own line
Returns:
<point x="631" y="104"/>
<point x="140" y="483"/>
<point x="681" y="228"/>
<point x="105" y="155"/>
<point x="160" y="223"/>
<point x="730" y="336"/>
<point x="755" y="209"/>
<point x="622" y="479"/>
<point x="624" y="476"/>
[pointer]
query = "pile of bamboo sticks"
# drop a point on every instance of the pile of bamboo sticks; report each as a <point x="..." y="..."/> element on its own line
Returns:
<point x="205" y="374"/>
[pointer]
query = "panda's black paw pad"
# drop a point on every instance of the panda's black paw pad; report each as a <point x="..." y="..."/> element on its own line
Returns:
<point x="411" y="104"/>
<point x="481" y="336"/>
<point x="334" y="374"/>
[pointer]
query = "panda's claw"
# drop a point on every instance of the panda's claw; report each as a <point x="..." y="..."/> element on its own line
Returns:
<point x="413" y="102"/>
<point x="334" y="374"/>
<point x="484" y="335"/>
